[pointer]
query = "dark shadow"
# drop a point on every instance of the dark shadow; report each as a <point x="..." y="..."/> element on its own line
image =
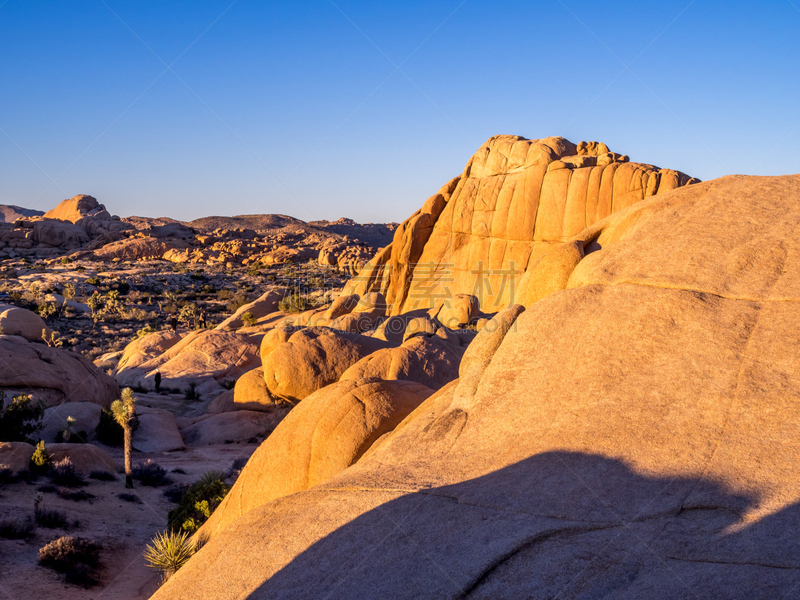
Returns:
<point x="556" y="525"/>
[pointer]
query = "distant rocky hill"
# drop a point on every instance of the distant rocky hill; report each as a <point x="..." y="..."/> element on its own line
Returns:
<point x="10" y="213"/>
<point x="82" y="227"/>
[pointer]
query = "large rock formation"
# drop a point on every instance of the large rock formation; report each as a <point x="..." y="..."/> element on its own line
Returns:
<point x="52" y="375"/>
<point x="633" y="434"/>
<point x="515" y="200"/>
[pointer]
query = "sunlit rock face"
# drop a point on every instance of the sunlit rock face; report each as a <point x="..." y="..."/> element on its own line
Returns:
<point x="515" y="199"/>
<point x="632" y="435"/>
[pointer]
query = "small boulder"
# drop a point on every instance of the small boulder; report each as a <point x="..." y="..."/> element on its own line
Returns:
<point x="21" y="322"/>
<point x="313" y="358"/>
<point x="86" y="415"/>
<point x="15" y="456"/>
<point x="231" y="427"/>
<point x="85" y="457"/>
<point x="251" y="393"/>
<point x="157" y="431"/>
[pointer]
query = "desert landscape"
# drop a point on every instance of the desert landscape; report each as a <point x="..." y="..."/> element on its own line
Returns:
<point x="350" y="300"/>
<point x="303" y="395"/>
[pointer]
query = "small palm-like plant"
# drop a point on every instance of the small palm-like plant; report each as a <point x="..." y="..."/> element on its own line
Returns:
<point x="169" y="551"/>
<point x="124" y="411"/>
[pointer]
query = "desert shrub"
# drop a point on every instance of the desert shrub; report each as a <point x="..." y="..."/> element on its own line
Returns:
<point x="151" y="474"/>
<point x="20" y="419"/>
<point x="40" y="460"/>
<point x="102" y="476"/>
<point x="95" y="281"/>
<point x="146" y="330"/>
<point x="190" y="393"/>
<point x="129" y="497"/>
<point x="198" y="502"/>
<point x="169" y="551"/>
<point x="293" y="302"/>
<point x="110" y="432"/>
<point x="236" y="467"/>
<point x="7" y="476"/>
<point x="75" y="557"/>
<point x="63" y="473"/>
<point x="16" y="529"/>
<point x="47" y="310"/>
<point x="74" y="495"/>
<point x="179" y="471"/>
<point x="46" y="517"/>
<point x="174" y="493"/>
<point x="248" y="319"/>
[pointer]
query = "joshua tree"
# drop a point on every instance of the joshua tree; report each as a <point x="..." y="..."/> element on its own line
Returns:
<point x="124" y="411"/>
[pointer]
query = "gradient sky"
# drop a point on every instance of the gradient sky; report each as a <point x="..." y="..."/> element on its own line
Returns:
<point x="321" y="109"/>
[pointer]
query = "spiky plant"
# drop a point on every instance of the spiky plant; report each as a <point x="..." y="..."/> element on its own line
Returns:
<point x="168" y="551"/>
<point x="124" y="411"/>
<point x="68" y="430"/>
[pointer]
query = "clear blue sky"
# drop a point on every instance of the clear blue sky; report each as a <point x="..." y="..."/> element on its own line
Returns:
<point x="365" y="109"/>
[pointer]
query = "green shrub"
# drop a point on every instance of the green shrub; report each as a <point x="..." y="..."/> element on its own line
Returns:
<point x="248" y="319"/>
<point x="169" y="551"/>
<point x="293" y="302"/>
<point x="198" y="502"/>
<point x="75" y="557"/>
<point x="40" y="461"/>
<point x="20" y="419"/>
<point x="146" y="330"/>
<point x="110" y="432"/>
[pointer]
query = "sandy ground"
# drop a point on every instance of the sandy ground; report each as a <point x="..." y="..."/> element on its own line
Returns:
<point x="122" y="528"/>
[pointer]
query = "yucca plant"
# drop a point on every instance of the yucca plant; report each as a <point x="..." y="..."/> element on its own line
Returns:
<point x="168" y="551"/>
<point x="124" y="412"/>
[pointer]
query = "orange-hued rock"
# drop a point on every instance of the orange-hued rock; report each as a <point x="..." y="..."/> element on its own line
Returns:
<point x="483" y="229"/>
<point x="200" y="357"/>
<point x="22" y="322"/>
<point x="312" y="358"/>
<point x="634" y="435"/>
<point x="326" y="433"/>
<point x="52" y="375"/>
<point x="76" y="208"/>
<point x="251" y="393"/>
<point x="140" y="248"/>
<point x="427" y="360"/>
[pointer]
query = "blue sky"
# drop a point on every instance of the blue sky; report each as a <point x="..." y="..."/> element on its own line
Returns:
<point x="322" y="109"/>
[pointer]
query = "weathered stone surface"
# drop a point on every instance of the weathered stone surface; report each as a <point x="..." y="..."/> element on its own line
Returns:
<point x="21" y="322"/>
<point x="52" y="375"/>
<point x="478" y="234"/>
<point x="458" y="311"/>
<point x="237" y="426"/>
<point x="15" y="456"/>
<point x="86" y="415"/>
<point x="313" y="358"/>
<point x="202" y="357"/>
<point x="85" y="457"/>
<point x="634" y="435"/>
<point x="251" y="393"/>
<point x="323" y="435"/>
<point x="157" y="431"/>
<point x="140" y="248"/>
<point x="267" y="303"/>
